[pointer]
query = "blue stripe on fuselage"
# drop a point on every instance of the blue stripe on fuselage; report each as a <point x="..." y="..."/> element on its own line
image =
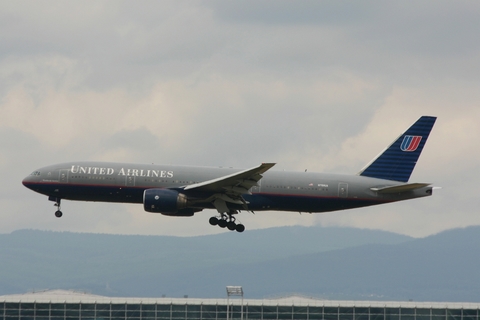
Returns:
<point x="257" y="202"/>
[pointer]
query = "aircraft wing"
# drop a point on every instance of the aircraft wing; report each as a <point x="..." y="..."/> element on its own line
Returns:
<point x="230" y="188"/>
<point x="239" y="182"/>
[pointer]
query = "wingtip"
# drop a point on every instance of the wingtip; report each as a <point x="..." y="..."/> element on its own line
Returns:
<point x="268" y="164"/>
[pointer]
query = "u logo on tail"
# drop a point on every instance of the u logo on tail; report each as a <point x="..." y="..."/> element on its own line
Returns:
<point x="410" y="143"/>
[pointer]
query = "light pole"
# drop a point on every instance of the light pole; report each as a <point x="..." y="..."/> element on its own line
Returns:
<point x="234" y="291"/>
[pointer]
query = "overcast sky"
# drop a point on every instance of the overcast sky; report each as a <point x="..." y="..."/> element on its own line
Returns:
<point x="317" y="85"/>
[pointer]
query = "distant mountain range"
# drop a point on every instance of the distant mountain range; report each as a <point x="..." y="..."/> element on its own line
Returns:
<point x="334" y="263"/>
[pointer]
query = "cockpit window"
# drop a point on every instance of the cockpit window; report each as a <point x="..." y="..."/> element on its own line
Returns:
<point x="35" y="173"/>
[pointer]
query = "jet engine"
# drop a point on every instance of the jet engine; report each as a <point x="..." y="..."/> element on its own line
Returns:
<point x="167" y="202"/>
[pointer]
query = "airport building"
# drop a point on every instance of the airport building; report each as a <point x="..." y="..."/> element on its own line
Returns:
<point x="70" y="305"/>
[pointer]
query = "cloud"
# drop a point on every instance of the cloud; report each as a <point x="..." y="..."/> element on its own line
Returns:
<point x="318" y="86"/>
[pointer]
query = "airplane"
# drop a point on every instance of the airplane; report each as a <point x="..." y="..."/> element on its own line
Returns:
<point x="182" y="191"/>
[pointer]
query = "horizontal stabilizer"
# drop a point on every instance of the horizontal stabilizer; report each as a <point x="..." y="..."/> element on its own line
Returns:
<point x="400" y="188"/>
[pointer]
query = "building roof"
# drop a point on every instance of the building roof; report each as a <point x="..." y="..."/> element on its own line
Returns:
<point x="71" y="296"/>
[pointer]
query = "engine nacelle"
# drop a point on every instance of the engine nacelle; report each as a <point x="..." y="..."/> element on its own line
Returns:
<point x="188" y="212"/>
<point x="166" y="201"/>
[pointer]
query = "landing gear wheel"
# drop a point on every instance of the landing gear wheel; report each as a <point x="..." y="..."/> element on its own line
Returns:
<point x="227" y="220"/>
<point x="213" y="221"/>
<point x="58" y="214"/>
<point x="231" y="225"/>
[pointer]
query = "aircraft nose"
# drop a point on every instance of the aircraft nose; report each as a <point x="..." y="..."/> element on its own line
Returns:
<point x="29" y="180"/>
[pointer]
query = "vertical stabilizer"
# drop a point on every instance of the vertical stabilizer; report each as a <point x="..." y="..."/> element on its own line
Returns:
<point x="398" y="160"/>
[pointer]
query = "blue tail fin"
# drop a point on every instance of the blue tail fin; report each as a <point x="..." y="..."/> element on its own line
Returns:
<point x="399" y="159"/>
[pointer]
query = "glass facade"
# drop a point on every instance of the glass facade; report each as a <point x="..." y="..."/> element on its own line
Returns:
<point x="197" y="311"/>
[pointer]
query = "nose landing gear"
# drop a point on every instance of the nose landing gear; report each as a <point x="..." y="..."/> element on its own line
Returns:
<point x="227" y="220"/>
<point x="58" y="213"/>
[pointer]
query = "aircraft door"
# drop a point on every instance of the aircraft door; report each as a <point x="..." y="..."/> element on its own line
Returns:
<point x="343" y="190"/>
<point x="130" y="181"/>
<point x="63" y="177"/>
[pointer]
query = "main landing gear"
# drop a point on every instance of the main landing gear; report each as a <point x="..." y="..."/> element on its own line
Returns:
<point x="227" y="220"/>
